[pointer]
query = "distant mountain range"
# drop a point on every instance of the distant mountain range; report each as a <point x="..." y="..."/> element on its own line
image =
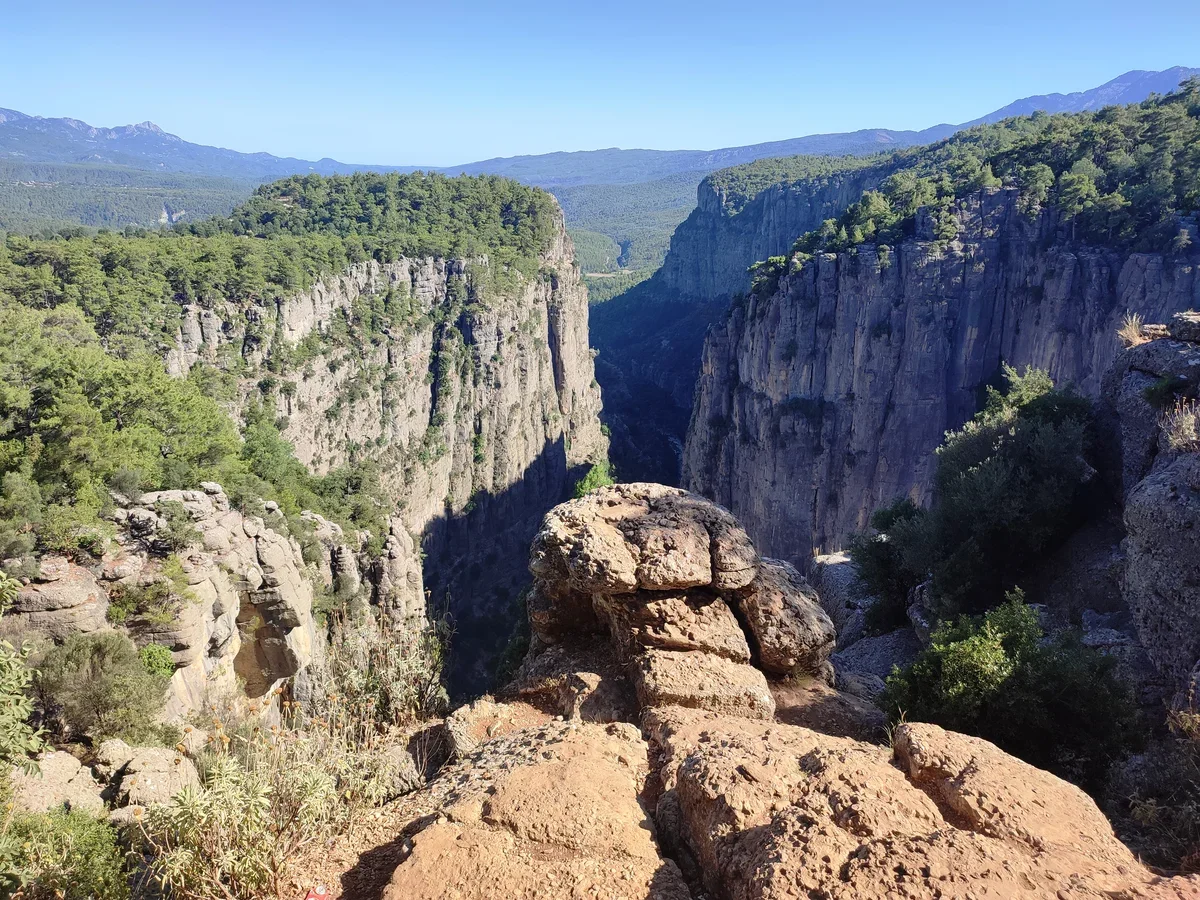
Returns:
<point x="63" y="170"/>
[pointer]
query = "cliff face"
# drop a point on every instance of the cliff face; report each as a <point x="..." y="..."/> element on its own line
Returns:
<point x="651" y="337"/>
<point x="480" y="408"/>
<point x="826" y="399"/>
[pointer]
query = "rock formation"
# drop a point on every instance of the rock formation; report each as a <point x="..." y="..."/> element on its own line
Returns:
<point x="237" y="616"/>
<point x="480" y="410"/>
<point x="721" y="794"/>
<point x="825" y="399"/>
<point x="1160" y="484"/>
<point x="650" y="339"/>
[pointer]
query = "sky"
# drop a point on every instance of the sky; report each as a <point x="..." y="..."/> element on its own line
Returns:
<point x="440" y="83"/>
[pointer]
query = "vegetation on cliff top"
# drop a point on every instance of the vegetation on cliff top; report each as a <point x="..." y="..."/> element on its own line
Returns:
<point x="132" y="286"/>
<point x="738" y="185"/>
<point x="1120" y="177"/>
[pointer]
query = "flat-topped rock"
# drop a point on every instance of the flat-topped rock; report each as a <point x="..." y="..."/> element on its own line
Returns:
<point x="642" y="536"/>
<point x="701" y="681"/>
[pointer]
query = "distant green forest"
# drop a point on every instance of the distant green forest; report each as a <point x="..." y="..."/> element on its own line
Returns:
<point x="639" y="218"/>
<point x="38" y="196"/>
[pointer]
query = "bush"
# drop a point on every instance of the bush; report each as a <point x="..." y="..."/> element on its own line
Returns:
<point x="18" y="739"/>
<point x="1181" y="426"/>
<point x="96" y="685"/>
<point x="60" y="855"/>
<point x="158" y="660"/>
<point x="1155" y="805"/>
<point x="1052" y="702"/>
<point x="1010" y="486"/>
<point x="177" y="530"/>
<point x="881" y="567"/>
<point x="600" y="475"/>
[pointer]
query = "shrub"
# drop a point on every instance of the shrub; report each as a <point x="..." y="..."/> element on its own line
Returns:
<point x="600" y="475"/>
<point x="1155" y="805"/>
<point x="59" y="855"/>
<point x="177" y="530"/>
<point x="18" y="739"/>
<point x="1181" y="426"/>
<point x="158" y="660"/>
<point x="881" y="567"/>
<point x="1163" y="394"/>
<point x="1130" y="332"/>
<point x="1053" y="702"/>
<point x="96" y="685"/>
<point x="1010" y="485"/>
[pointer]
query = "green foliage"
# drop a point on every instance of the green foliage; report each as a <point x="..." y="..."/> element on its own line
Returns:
<point x="158" y="660"/>
<point x="18" y="739"/>
<point x="1121" y="176"/>
<point x="97" y="686"/>
<point x="595" y="252"/>
<point x="1164" y="392"/>
<point x="602" y="288"/>
<point x="600" y="475"/>
<point x="177" y="530"/>
<point x="1054" y="703"/>
<point x="60" y="855"/>
<point x="738" y="185"/>
<point x="1009" y="486"/>
<point x="38" y="196"/>
<point x="881" y="566"/>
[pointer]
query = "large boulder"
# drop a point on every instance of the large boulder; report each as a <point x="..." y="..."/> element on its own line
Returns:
<point x="1162" y="570"/>
<point x="792" y="633"/>
<point x="550" y="811"/>
<point x="62" y="599"/>
<point x="774" y="811"/>
<point x="677" y="585"/>
<point x="58" y="780"/>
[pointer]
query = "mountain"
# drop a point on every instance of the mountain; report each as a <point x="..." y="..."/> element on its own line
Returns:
<point x="63" y="171"/>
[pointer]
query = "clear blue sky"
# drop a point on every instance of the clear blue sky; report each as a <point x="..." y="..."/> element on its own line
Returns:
<point x="448" y="82"/>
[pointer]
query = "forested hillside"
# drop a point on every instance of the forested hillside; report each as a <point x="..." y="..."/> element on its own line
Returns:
<point x="88" y="406"/>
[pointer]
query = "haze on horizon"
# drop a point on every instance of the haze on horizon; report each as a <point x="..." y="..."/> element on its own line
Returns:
<point x="420" y="84"/>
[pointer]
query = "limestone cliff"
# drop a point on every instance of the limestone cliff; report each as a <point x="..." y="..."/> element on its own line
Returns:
<point x="476" y="398"/>
<point x="822" y="400"/>
<point x="650" y="338"/>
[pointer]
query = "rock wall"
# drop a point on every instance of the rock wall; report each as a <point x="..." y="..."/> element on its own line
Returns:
<point x="650" y="338"/>
<point x="237" y="615"/>
<point x="722" y="792"/>
<point x="824" y="400"/>
<point x="479" y="404"/>
<point x="1159" y="480"/>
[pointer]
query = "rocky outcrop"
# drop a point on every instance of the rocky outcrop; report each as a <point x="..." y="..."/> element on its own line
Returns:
<point x="1161" y="487"/>
<point x="478" y="404"/>
<point x="663" y="571"/>
<point x="236" y="613"/>
<point x="57" y="780"/>
<point x="718" y="796"/>
<point x="823" y="400"/>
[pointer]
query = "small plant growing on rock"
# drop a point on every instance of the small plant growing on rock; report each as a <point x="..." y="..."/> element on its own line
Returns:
<point x="158" y="660"/>
<point x="600" y="475"/>
<point x="1181" y="426"/>
<point x="1130" y="332"/>
<point x="177" y="530"/>
<point x="18" y="739"/>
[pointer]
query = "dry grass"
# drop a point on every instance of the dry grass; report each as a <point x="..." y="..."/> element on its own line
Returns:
<point x="1181" y="426"/>
<point x="1131" y="331"/>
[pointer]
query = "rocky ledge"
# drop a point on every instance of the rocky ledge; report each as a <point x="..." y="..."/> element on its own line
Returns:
<point x="671" y="735"/>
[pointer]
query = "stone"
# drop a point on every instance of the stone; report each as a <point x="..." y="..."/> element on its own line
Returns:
<point x="1185" y="326"/>
<point x="60" y="780"/>
<point x="792" y="633"/>
<point x="554" y="811"/>
<point x="1162" y="569"/>
<point x="153" y="775"/>
<point x="576" y="680"/>
<point x="673" y="620"/>
<point x="480" y="721"/>
<point x="701" y="681"/>
<point x="878" y="654"/>
<point x="649" y="536"/>
<point x="834" y="577"/>
<point x="773" y="810"/>
<point x="70" y="602"/>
